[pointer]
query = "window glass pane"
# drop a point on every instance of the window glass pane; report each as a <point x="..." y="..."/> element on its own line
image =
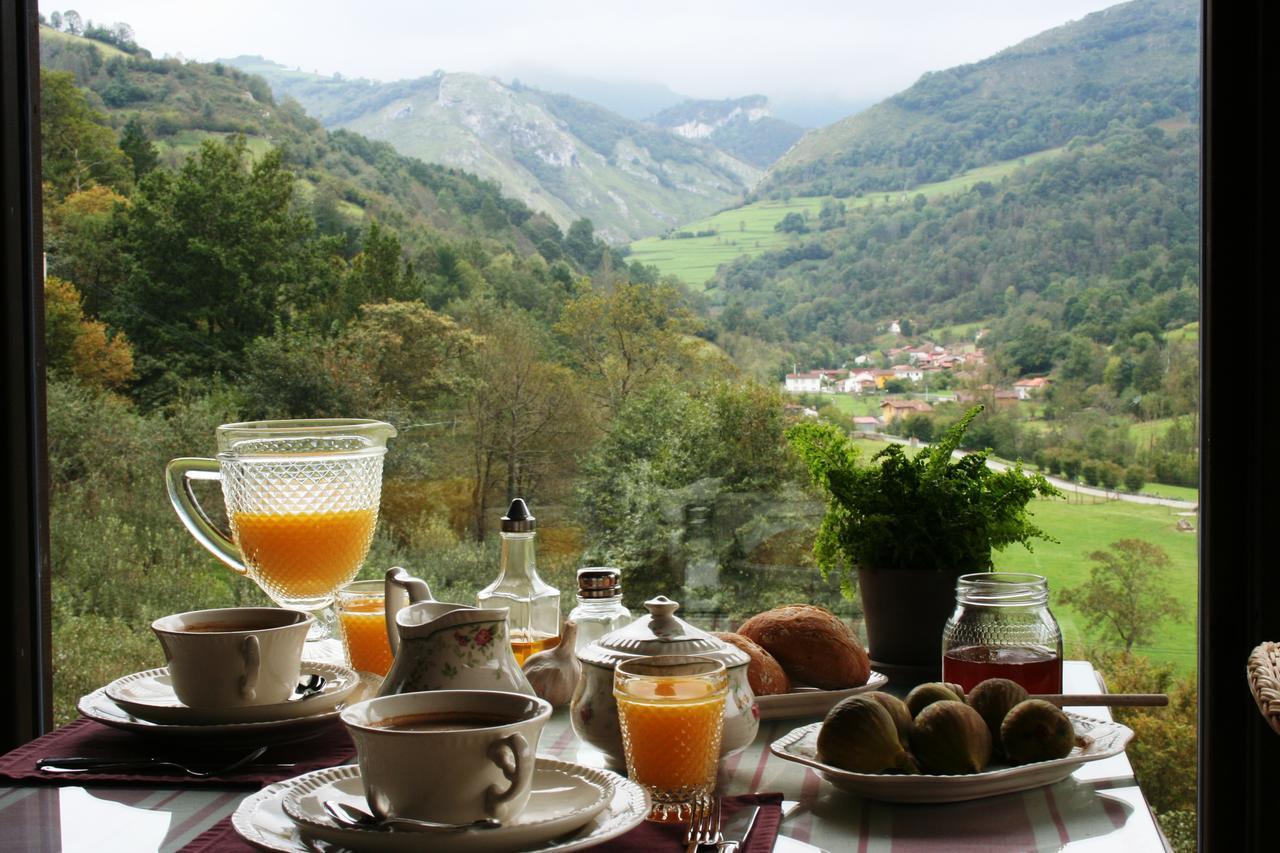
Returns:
<point x="617" y="302"/>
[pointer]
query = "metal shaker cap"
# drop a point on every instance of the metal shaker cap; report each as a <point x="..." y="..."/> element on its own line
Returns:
<point x="599" y="582"/>
<point x="518" y="518"/>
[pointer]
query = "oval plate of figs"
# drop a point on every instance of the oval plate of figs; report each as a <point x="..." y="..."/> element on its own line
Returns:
<point x="1094" y="740"/>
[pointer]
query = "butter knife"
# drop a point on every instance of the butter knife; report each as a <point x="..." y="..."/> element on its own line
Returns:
<point x="736" y="830"/>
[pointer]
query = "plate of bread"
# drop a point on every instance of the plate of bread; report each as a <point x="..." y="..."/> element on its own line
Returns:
<point x="804" y="659"/>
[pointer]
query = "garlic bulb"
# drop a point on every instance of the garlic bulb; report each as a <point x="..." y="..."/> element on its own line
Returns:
<point x="554" y="673"/>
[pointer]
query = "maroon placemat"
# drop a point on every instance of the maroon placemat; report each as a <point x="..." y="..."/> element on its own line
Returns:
<point x="331" y="746"/>
<point x="645" y="838"/>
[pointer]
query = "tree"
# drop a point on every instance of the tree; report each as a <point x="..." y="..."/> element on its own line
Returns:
<point x="219" y="254"/>
<point x="792" y="223"/>
<point x="55" y="20"/>
<point x="79" y="147"/>
<point x="138" y="148"/>
<point x="72" y="22"/>
<point x="1135" y="477"/>
<point x="527" y="417"/>
<point x="1127" y="592"/>
<point x="80" y="347"/>
<point x="628" y="338"/>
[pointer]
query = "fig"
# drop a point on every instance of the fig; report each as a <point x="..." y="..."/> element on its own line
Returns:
<point x="954" y="688"/>
<point x="898" y="711"/>
<point x="950" y="737"/>
<point x="1036" y="730"/>
<point x="923" y="695"/>
<point x="993" y="699"/>
<point x="858" y="734"/>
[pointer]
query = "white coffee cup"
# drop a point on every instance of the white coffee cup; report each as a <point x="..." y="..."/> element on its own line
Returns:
<point x="233" y="656"/>
<point x="447" y="755"/>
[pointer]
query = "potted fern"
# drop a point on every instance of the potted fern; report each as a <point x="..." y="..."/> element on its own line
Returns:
<point x="909" y="527"/>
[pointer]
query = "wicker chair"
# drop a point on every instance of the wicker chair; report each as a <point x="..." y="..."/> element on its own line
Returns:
<point x="1264" y="682"/>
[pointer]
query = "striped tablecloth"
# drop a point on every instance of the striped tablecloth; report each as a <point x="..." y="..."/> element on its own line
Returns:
<point x="1100" y="807"/>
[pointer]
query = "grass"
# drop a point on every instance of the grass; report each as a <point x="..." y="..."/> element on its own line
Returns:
<point x="1178" y="493"/>
<point x="749" y="230"/>
<point x="1086" y="527"/>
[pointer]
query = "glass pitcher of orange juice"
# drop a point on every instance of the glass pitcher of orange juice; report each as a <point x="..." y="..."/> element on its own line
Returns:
<point x="302" y="502"/>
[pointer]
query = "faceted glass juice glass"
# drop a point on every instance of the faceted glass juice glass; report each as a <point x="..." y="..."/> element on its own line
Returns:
<point x="302" y="501"/>
<point x="362" y="622"/>
<point x="671" y="711"/>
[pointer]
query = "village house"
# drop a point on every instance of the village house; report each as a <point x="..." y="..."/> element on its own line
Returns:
<point x="866" y="423"/>
<point x="813" y="381"/>
<point x="1030" y="388"/>
<point x="891" y="410"/>
<point x="906" y="371"/>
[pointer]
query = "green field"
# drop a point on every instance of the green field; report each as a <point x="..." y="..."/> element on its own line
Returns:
<point x="749" y="230"/>
<point x="1087" y="527"/>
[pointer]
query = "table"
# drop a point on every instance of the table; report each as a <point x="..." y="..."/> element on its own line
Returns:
<point x="1100" y="807"/>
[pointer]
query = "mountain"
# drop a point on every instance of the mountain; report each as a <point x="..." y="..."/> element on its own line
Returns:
<point x="564" y="156"/>
<point x="744" y="127"/>
<point x="633" y="99"/>
<point x="1138" y="61"/>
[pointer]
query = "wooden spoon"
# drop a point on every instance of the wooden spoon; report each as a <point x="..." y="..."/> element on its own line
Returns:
<point x="1114" y="700"/>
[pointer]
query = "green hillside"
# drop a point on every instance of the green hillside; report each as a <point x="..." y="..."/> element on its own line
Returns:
<point x="749" y="230"/>
<point x="344" y="177"/>
<point x="1135" y="62"/>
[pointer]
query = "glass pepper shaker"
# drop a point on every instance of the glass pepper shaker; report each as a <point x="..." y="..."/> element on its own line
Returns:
<point x="599" y="609"/>
<point x="1002" y="628"/>
<point x="533" y="605"/>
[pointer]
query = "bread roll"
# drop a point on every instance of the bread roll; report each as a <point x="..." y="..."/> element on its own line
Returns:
<point x="764" y="673"/>
<point x="813" y="645"/>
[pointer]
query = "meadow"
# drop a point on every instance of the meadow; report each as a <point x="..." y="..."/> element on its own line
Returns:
<point x="749" y="230"/>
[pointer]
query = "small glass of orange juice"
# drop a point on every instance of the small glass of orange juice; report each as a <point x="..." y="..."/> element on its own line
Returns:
<point x="671" y="709"/>
<point x="363" y="623"/>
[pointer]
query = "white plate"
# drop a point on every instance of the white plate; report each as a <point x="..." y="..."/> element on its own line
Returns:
<point x="261" y="819"/>
<point x="100" y="707"/>
<point x="810" y="701"/>
<point x="562" y="800"/>
<point x="1102" y="740"/>
<point x="149" y="696"/>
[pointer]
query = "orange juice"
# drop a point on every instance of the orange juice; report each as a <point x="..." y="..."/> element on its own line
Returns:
<point x="364" y="632"/>
<point x="671" y="730"/>
<point x="304" y="555"/>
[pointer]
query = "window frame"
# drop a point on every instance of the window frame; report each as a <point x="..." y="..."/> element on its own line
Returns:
<point x="1239" y="602"/>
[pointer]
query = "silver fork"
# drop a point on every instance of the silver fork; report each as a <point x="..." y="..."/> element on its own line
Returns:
<point x="83" y="765"/>
<point x="699" y="825"/>
<point x="712" y="836"/>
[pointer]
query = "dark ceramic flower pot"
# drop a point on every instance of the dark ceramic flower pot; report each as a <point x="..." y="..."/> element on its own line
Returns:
<point x="905" y="611"/>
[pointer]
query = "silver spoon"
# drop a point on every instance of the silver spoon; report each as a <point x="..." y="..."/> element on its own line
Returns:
<point x="357" y="818"/>
<point x="310" y="686"/>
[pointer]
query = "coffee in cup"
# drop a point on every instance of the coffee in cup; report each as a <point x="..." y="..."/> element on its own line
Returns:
<point x="479" y="747"/>
<point x="233" y="656"/>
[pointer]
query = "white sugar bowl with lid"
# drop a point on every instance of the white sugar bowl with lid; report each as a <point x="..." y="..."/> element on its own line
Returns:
<point x="594" y="713"/>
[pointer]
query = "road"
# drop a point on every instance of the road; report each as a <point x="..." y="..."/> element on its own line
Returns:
<point x="1066" y="485"/>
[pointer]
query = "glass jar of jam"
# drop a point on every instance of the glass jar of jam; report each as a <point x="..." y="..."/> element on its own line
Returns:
<point x="1002" y="628"/>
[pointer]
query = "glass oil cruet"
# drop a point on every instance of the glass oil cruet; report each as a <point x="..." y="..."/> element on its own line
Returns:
<point x="533" y="605"/>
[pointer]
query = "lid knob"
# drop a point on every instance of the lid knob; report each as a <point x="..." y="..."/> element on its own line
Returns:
<point x="663" y="612"/>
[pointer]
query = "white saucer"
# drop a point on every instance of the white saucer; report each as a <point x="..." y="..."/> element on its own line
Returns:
<point x="619" y="806"/>
<point x="810" y="701"/>
<point x="149" y="696"/>
<point x="101" y="708"/>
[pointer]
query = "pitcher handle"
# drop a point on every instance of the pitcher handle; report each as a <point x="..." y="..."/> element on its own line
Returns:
<point x="511" y="753"/>
<point x="400" y="589"/>
<point x="178" y="475"/>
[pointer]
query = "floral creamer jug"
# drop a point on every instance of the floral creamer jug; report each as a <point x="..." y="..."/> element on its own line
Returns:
<point x="443" y="646"/>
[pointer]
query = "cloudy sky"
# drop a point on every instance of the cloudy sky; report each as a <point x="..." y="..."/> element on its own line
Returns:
<point x="851" y="49"/>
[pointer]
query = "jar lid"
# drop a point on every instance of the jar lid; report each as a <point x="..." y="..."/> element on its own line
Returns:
<point x="599" y="582"/>
<point x="660" y="632"/>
